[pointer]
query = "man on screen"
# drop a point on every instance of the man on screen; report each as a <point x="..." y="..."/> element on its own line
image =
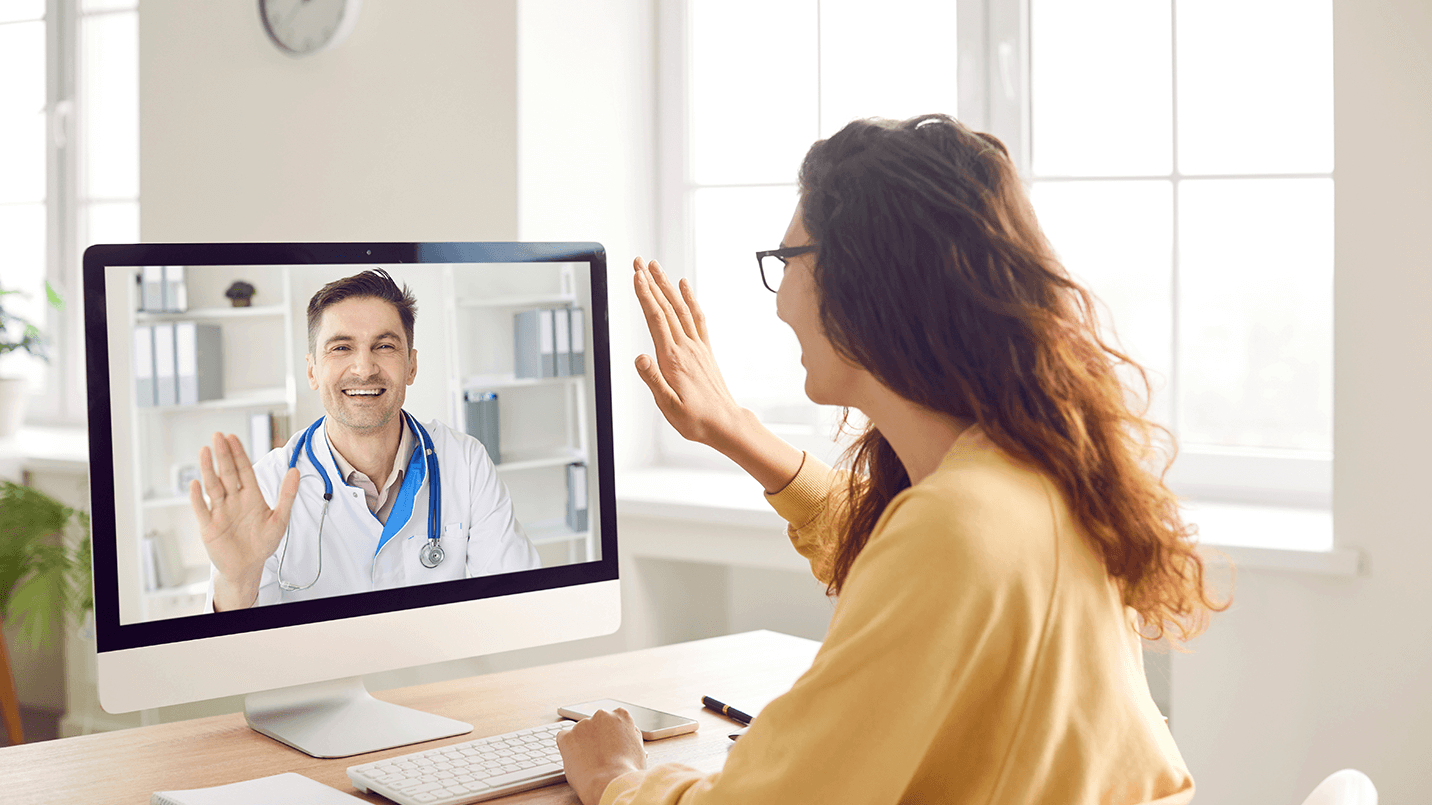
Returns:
<point x="365" y="498"/>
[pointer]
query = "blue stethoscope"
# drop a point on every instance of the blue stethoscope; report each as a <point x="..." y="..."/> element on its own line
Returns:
<point x="431" y="555"/>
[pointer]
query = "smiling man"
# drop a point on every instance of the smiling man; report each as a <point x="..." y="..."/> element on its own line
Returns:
<point x="345" y="506"/>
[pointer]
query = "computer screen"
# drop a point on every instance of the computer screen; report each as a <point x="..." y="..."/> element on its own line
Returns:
<point x="231" y="383"/>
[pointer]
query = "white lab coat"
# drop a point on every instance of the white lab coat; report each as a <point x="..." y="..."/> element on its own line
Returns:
<point x="479" y="533"/>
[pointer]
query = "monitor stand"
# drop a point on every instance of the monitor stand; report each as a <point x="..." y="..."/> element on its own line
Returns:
<point x="340" y="718"/>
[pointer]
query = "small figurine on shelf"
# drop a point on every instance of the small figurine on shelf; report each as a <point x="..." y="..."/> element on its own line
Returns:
<point x="240" y="293"/>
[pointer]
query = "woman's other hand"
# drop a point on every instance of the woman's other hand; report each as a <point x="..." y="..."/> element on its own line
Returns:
<point x="683" y="377"/>
<point x="600" y="749"/>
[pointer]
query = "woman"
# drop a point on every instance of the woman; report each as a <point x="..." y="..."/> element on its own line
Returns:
<point x="1003" y="539"/>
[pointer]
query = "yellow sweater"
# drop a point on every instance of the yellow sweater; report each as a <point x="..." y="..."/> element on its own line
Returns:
<point x="979" y="653"/>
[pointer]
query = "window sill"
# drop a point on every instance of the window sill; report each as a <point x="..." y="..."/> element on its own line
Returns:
<point x="1251" y="536"/>
<point x="47" y="448"/>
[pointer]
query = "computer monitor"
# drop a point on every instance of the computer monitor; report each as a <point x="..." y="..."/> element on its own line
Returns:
<point x="507" y="396"/>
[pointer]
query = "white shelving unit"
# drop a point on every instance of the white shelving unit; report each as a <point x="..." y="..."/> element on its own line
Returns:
<point x="170" y="436"/>
<point x="534" y="454"/>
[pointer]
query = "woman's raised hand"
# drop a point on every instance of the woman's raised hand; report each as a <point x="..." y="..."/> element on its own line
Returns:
<point x="683" y="377"/>
<point x="688" y="387"/>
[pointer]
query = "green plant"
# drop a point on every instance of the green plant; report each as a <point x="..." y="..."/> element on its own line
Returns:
<point x="41" y="578"/>
<point x="240" y="291"/>
<point x="17" y="332"/>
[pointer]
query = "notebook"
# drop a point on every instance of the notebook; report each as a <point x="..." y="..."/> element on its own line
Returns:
<point x="280" y="789"/>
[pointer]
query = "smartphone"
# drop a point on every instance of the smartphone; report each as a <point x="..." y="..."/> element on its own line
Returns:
<point x="653" y="724"/>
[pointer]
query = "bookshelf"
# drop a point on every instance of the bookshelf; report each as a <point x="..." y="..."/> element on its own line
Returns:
<point x="544" y="421"/>
<point x="174" y="567"/>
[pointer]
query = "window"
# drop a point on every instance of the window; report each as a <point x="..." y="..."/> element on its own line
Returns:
<point x="751" y="84"/>
<point x="69" y="175"/>
<point x="1181" y="166"/>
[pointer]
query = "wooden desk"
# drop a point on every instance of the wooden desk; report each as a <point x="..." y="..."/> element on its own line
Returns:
<point x="746" y="670"/>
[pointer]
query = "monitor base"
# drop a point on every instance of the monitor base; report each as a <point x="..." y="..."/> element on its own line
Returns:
<point x="341" y="719"/>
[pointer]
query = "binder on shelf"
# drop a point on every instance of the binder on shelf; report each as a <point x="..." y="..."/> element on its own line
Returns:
<point x="168" y="567"/>
<point x="579" y="340"/>
<point x="481" y="412"/>
<point x="144" y="391"/>
<point x="260" y="435"/>
<point x="166" y="389"/>
<point x="577" y="497"/>
<point x="199" y="355"/>
<point x="176" y="294"/>
<point x="281" y="426"/>
<point x="151" y="289"/>
<point x="562" y="329"/>
<point x="533" y="340"/>
<point x="149" y="563"/>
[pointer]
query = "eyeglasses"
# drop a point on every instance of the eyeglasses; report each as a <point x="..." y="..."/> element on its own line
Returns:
<point x="773" y="264"/>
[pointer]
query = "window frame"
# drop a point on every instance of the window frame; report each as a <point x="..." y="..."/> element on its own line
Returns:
<point x="62" y="401"/>
<point x="994" y="95"/>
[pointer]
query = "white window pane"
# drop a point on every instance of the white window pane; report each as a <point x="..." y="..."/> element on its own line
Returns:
<point x="858" y="76"/>
<point x="758" y="354"/>
<point x="1116" y="239"/>
<point x="22" y="63"/>
<point x="22" y="112"/>
<point x="1255" y="97"/>
<point x="22" y="157"/>
<point x="22" y="230"/>
<point x="15" y="10"/>
<point x="753" y="89"/>
<point x="1255" y="313"/>
<point x="111" y="222"/>
<point x="1101" y="86"/>
<point x="109" y="105"/>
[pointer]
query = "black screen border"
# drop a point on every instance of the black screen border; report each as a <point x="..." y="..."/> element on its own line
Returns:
<point x="112" y="635"/>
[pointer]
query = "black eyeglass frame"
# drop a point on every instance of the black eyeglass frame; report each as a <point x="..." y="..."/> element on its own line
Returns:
<point x="782" y="255"/>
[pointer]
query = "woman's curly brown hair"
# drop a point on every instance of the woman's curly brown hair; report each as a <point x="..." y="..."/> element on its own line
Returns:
<point x="934" y="276"/>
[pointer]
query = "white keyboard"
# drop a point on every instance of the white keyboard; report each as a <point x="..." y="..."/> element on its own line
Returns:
<point x="467" y="772"/>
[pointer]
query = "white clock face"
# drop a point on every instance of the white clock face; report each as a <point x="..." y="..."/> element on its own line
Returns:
<point x="301" y="27"/>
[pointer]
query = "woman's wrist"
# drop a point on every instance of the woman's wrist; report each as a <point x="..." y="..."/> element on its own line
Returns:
<point x="599" y="782"/>
<point x="768" y="458"/>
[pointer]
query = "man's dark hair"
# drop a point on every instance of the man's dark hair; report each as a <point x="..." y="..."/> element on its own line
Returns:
<point x="375" y="283"/>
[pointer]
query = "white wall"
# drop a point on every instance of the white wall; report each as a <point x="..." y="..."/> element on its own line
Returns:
<point x="441" y="120"/>
<point x="585" y="165"/>
<point x="406" y="131"/>
<point x="1307" y="675"/>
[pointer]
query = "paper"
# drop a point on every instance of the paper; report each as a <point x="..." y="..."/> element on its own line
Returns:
<point x="280" y="789"/>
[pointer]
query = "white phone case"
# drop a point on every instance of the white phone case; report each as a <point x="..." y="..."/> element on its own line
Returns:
<point x="654" y="724"/>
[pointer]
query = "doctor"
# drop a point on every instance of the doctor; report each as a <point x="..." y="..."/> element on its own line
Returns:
<point x="278" y="531"/>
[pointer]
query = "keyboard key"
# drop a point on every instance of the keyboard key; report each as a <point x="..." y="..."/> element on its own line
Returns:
<point x="523" y="775"/>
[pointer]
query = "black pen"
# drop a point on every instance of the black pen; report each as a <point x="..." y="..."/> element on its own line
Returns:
<point x="725" y="710"/>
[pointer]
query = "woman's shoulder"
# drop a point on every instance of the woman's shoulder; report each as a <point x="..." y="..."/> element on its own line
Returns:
<point x="982" y="504"/>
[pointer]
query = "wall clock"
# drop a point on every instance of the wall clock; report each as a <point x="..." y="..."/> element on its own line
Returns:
<point x="304" y="27"/>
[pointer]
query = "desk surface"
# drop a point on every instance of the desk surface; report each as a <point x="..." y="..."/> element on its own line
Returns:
<point x="746" y="670"/>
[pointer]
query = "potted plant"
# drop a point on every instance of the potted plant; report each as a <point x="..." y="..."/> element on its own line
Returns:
<point x="240" y="294"/>
<point x="41" y="578"/>
<point x="17" y="332"/>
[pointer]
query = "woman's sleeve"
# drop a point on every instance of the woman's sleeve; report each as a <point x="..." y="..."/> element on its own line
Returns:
<point x="814" y="504"/>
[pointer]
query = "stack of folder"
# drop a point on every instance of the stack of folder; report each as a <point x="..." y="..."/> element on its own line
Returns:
<point x="178" y="363"/>
<point x="577" y="496"/>
<point x="550" y="342"/>
<point x="162" y="290"/>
